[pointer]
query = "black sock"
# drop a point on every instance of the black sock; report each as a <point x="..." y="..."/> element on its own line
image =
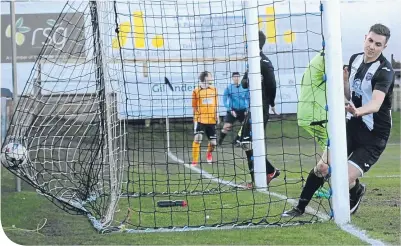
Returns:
<point x="353" y="192"/>
<point x="269" y="167"/>
<point x="313" y="183"/>
<point x="249" y="157"/>
<point x="222" y="136"/>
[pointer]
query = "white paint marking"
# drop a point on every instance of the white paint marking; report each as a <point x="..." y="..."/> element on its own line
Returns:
<point x="361" y="234"/>
<point x="217" y="180"/>
<point x="351" y="229"/>
<point x="364" y="177"/>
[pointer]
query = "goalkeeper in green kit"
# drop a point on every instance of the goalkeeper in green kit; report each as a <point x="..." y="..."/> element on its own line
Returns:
<point x="311" y="112"/>
<point x="312" y="116"/>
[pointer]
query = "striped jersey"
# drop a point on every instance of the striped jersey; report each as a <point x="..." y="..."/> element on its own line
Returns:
<point x="363" y="79"/>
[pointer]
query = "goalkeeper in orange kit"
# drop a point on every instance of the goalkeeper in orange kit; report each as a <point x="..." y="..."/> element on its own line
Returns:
<point x="204" y="104"/>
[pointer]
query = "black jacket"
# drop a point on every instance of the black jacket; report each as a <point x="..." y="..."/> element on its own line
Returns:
<point x="268" y="82"/>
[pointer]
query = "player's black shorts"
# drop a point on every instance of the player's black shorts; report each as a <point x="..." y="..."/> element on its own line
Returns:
<point x="209" y="129"/>
<point x="364" y="146"/>
<point x="229" y="118"/>
<point x="245" y="133"/>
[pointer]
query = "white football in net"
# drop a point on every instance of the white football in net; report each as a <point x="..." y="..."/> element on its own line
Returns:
<point x="14" y="155"/>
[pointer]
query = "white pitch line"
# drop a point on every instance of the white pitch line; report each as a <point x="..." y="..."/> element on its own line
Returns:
<point x="217" y="180"/>
<point x="364" y="177"/>
<point x="349" y="228"/>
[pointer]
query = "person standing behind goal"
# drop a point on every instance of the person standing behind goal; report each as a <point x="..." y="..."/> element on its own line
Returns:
<point x="268" y="97"/>
<point x="205" y="105"/>
<point x="369" y="88"/>
<point x="236" y="101"/>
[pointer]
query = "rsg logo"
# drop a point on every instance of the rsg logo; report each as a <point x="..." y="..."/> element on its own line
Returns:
<point x="62" y="36"/>
<point x="58" y="36"/>
<point x="39" y="35"/>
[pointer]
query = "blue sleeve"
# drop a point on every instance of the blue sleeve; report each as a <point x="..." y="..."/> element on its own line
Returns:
<point x="226" y="99"/>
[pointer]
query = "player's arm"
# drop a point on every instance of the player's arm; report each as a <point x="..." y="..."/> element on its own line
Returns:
<point x="226" y="99"/>
<point x="384" y="81"/>
<point x="346" y="73"/>
<point x="269" y="79"/>
<point x="248" y="100"/>
<point x="315" y="71"/>
<point x="245" y="85"/>
<point x="216" y="99"/>
<point x="195" y="102"/>
<point x="245" y="81"/>
<point x="347" y="91"/>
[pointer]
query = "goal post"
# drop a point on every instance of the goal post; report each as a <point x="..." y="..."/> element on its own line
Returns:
<point x="101" y="40"/>
<point x="255" y="87"/>
<point x="128" y="62"/>
<point x="336" y="110"/>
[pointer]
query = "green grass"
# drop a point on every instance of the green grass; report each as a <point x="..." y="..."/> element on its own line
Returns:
<point x="379" y="213"/>
<point x="64" y="229"/>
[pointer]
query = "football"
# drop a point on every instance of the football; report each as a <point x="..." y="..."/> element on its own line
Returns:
<point x="14" y="155"/>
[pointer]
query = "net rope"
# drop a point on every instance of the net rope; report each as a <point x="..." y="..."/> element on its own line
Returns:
<point x="108" y="124"/>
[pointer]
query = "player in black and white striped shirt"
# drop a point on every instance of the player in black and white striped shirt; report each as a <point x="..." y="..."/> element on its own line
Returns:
<point x="369" y="89"/>
<point x="371" y="82"/>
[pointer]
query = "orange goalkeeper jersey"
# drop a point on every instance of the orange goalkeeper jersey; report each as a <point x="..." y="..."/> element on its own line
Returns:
<point x="204" y="103"/>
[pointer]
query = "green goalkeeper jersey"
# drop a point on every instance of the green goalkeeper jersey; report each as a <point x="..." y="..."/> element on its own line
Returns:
<point x="312" y="99"/>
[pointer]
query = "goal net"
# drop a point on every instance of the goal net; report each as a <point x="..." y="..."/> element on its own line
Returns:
<point x="108" y="122"/>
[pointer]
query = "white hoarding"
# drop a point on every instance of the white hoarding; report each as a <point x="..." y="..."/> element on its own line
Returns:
<point x="180" y="41"/>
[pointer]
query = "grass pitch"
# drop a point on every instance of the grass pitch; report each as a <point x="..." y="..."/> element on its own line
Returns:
<point x="379" y="214"/>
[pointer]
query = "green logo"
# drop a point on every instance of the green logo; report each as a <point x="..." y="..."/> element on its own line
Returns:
<point x="20" y="30"/>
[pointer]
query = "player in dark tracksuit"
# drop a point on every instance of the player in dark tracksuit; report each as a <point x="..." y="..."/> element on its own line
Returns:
<point x="268" y="97"/>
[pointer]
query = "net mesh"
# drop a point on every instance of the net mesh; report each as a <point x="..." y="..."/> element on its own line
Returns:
<point x="107" y="119"/>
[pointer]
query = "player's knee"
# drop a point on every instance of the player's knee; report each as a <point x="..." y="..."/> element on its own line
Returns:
<point x="198" y="138"/>
<point x="246" y="146"/>
<point x="321" y="170"/>
<point x="226" y="128"/>
<point x="213" y="142"/>
<point x="353" y="174"/>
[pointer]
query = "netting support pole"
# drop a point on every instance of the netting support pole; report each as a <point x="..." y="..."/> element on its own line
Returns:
<point x="14" y="74"/>
<point x="169" y="96"/>
<point x="168" y="134"/>
<point x="336" y="111"/>
<point x="255" y="87"/>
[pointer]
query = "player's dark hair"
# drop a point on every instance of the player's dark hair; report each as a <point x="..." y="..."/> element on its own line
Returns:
<point x="234" y="74"/>
<point x="262" y="39"/>
<point x="203" y="75"/>
<point x="381" y="30"/>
